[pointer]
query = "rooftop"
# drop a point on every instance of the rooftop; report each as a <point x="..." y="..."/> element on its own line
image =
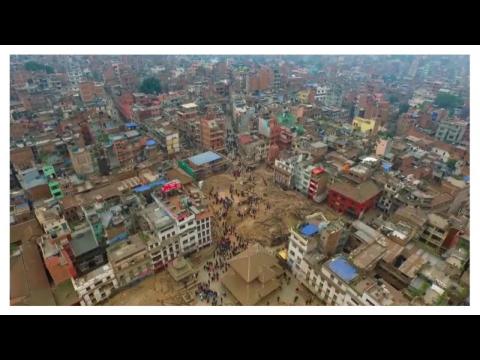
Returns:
<point x="189" y="106"/>
<point x="83" y="241"/>
<point x="124" y="249"/>
<point x="343" y="269"/>
<point x="253" y="275"/>
<point x="309" y="230"/>
<point x="367" y="255"/>
<point x="32" y="178"/>
<point x="204" y="158"/>
<point x="25" y="231"/>
<point x="65" y="294"/>
<point x="28" y="278"/>
<point x="359" y="193"/>
<point x="437" y="221"/>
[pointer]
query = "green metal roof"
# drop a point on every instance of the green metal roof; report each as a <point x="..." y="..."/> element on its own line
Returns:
<point x="287" y="119"/>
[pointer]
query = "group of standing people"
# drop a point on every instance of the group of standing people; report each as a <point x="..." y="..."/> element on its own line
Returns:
<point x="204" y="292"/>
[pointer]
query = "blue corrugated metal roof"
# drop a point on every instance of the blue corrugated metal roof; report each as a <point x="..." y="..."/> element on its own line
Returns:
<point x="346" y="271"/>
<point x="143" y="188"/>
<point x="309" y="230"/>
<point x="204" y="158"/>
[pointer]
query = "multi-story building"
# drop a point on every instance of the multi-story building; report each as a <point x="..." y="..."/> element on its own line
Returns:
<point x="365" y="126"/>
<point x="169" y="139"/>
<point x="90" y="90"/>
<point x="95" y="286"/>
<point x="81" y="160"/>
<point x="435" y="231"/>
<point x="130" y="260"/>
<point x="87" y="253"/>
<point x="283" y="172"/>
<point x="252" y="148"/>
<point x="202" y="165"/>
<point x="173" y="227"/>
<point x="315" y="257"/>
<point x="451" y="131"/>
<point x="128" y="147"/>
<point x="355" y="200"/>
<point x="314" y="233"/>
<point x="384" y="146"/>
<point x="212" y="133"/>
<point x="260" y="80"/>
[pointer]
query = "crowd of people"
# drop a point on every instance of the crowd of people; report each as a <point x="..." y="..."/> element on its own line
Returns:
<point x="230" y="243"/>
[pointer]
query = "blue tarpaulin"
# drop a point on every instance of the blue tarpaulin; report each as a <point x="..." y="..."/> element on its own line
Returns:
<point x="151" y="142"/>
<point x="119" y="237"/>
<point x="387" y="166"/>
<point x="309" y="230"/>
<point x="346" y="271"/>
<point x="147" y="187"/>
<point x="131" y="125"/>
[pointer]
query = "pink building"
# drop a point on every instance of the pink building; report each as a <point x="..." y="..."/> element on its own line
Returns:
<point x="383" y="147"/>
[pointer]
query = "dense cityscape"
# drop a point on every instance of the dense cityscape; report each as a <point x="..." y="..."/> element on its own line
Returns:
<point x="315" y="180"/>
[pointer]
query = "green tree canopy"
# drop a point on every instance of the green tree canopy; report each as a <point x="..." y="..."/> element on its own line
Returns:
<point x="34" y="66"/>
<point x="150" y="85"/>
<point x="403" y="108"/>
<point x="448" y="101"/>
<point x="392" y="99"/>
<point x="451" y="164"/>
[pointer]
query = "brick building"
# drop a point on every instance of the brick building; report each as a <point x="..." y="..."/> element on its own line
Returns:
<point x="355" y="200"/>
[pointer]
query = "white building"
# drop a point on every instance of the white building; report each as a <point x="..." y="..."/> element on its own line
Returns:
<point x="333" y="279"/>
<point x="174" y="228"/>
<point x="321" y="93"/>
<point x="95" y="286"/>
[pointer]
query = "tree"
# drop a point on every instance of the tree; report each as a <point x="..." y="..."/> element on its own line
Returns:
<point x="448" y="101"/>
<point x="403" y="108"/>
<point x="49" y="69"/>
<point x="451" y="164"/>
<point x="392" y="99"/>
<point x="150" y="85"/>
<point x="34" y="66"/>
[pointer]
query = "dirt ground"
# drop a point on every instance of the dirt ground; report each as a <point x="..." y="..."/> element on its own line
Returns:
<point x="287" y="208"/>
<point x="159" y="288"/>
